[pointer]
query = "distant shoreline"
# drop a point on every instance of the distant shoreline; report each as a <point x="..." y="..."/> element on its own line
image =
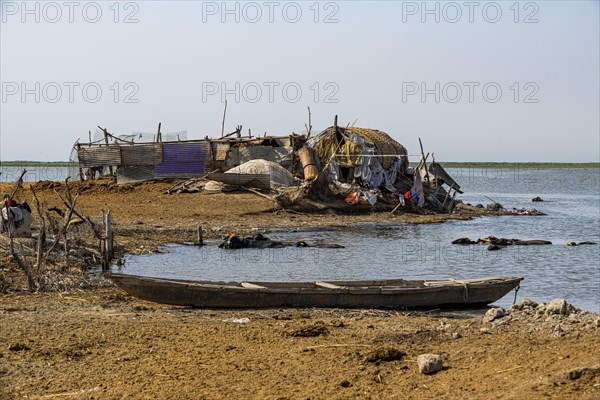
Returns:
<point x="35" y="164"/>
<point x="516" y="165"/>
<point x="451" y="164"/>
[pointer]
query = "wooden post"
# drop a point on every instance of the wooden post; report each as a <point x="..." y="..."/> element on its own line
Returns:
<point x="433" y="162"/>
<point x="452" y="202"/>
<point x="424" y="162"/>
<point x="421" y="162"/>
<point x="66" y="268"/>
<point x="80" y="169"/>
<point x="309" y="126"/>
<point x="41" y="242"/>
<point x="446" y="198"/>
<point x="110" y="168"/>
<point x="200" y="239"/>
<point x="103" y="243"/>
<point x="106" y="241"/>
<point x="223" y="123"/>
<point x="335" y="124"/>
<point x="159" y="134"/>
<point x="109" y="236"/>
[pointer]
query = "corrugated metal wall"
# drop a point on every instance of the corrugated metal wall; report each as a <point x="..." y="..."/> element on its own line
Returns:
<point x="142" y="154"/>
<point x="145" y="161"/>
<point x="183" y="159"/>
<point x="99" y="156"/>
<point x="135" y="174"/>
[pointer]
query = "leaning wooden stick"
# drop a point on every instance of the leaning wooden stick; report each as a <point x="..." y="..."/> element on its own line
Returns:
<point x="424" y="161"/>
<point x="309" y="126"/>
<point x="41" y="236"/>
<point x="18" y="184"/>
<point x="64" y="228"/>
<point x="223" y="123"/>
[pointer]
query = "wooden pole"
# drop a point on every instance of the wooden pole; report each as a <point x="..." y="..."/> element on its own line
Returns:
<point x="80" y="169"/>
<point x="110" y="168"/>
<point x="335" y="124"/>
<point x="41" y="242"/>
<point x="436" y="180"/>
<point x="66" y="267"/>
<point x="421" y="162"/>
<point x="200" y="239"/>
<point x="103" y="244"/>
<point x="159" y="134"/>
<point x="451" y="208"/>
<point x="90" y="138"/>
<point x="18" y="184"/>
<point x="109" y="236"/>
<point x="424" y="162"/>
<point x="223" y="123"/>
<point x="446" y="198"/>
<point x="397" y="207"/>
<point x="309" y="126"/>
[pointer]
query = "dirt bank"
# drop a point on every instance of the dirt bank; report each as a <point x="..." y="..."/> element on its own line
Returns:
<point x="145" y="214"/>
<point x="103" y="344"/>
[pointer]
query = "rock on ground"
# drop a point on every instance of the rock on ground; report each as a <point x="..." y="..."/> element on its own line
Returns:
<point x="557" y="306"/>
<point x="429" y="363"/>
<point x="494" y="313"/>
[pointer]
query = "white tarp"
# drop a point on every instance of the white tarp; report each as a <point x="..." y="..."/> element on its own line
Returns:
<point x="279" y="176"/>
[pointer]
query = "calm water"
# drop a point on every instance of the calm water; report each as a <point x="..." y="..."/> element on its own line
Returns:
<point x="34" y="174"/>
<point x="425" y="252"/>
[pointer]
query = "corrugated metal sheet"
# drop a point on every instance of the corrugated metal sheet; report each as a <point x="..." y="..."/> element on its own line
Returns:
<point x="135" y="174"/>
<point x="205" y="149"/>
<point x="262" y="181"/>
<point x="182" y="159"/>
<point x="99" y="156"/>
<point x="142" y="154"/>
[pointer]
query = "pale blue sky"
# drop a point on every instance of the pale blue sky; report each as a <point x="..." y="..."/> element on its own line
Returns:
<point x="374" y="58"/>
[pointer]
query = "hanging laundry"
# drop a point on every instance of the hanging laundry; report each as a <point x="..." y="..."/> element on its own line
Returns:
<point x="417" y="189"/>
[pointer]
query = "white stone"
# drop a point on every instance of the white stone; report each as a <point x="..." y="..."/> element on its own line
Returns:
<point x="557" y="306"/>
<point x="429" y="363"/>
<point x="558" y="331"/>
<point x="527" y="302"/>
<point x="494" y="313"/>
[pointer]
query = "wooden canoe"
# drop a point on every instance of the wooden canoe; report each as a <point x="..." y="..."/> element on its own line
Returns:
<point x="395" y="293"/>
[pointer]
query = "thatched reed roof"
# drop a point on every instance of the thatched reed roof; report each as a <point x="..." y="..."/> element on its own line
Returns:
<point x="384" y="144"/>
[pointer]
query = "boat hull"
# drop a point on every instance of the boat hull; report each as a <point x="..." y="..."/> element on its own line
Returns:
<point x="357" y="294"/>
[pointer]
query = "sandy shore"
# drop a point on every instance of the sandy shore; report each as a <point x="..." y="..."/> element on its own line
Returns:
<point x="102" y="344"/>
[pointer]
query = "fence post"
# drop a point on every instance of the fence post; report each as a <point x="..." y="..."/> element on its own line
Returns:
<point x="109" y="238"/>
<point x="200" y="239"/>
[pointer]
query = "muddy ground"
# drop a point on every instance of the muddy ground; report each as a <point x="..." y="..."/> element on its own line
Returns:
<point x="101" y="343"/>
<point x="144" y="213"/>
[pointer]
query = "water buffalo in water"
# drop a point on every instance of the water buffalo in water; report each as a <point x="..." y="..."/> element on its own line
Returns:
<point x="259" y="241"/>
